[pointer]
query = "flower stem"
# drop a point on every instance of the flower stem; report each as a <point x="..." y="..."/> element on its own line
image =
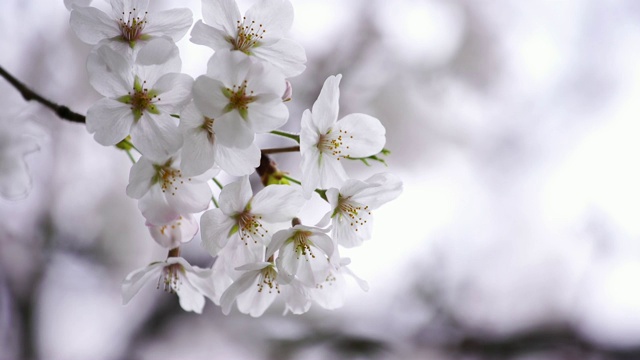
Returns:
<point x="217" y="183"/>
<point x="281" y="150"/>
<point x="133" y="160"/>
<point x="215" y="203"/>
<point x="291" y="179"/>
<point x="294" y="137"/>
<point x="175" y="252"/>
<point x="28" y="94"/>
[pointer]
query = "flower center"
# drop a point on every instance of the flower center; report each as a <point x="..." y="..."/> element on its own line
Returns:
<point x="301" y="243"/>
<point x="239" y="99"/>
<point x="141" y="99"/>
<point x="248" y="36"/>
<point x="169" y="178"/>
<point x="356" y="213"/>
<point x="333" y="143"/>
<point x="268" y="280"/>
<point x="170" y="278"/>
<point x="131" y="26"/>
<point x="207" y="125"/>
<point x="250" y="227"/>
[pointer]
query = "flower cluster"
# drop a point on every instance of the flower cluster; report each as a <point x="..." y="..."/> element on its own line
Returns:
<point x="187" y="131"/>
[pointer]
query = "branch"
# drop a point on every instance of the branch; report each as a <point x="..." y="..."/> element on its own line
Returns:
<point x="62" y="111"/>
<point x="280" y="150"/>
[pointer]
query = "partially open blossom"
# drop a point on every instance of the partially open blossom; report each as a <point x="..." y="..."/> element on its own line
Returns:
<point x="175" y="275"/>
<point x="128" y="23"/>
<point x="324" y="139"/>
<point x="173" y="234"/>
<point x="351" y="206"/>
<point x="260" y="33"/>
<point x="242" y="97"/>
<point x="139" y="98"/>
<point x="330" y="293"/>
<point x="164" y="193"/>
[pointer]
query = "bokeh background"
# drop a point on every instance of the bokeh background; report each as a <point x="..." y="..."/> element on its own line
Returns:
<point x="513" y="124"/>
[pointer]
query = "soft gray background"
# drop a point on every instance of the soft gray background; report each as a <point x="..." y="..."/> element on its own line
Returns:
<point x="512" y="123"/>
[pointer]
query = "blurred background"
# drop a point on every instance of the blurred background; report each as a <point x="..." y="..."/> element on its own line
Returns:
<point x="512" y="124"/>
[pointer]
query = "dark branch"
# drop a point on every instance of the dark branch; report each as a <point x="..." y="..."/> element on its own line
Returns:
<point x="29" y="95"/>
<point x="281" y="150"/>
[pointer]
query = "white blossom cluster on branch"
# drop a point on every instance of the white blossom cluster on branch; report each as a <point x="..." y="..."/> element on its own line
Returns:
<point x="186" y="131"/>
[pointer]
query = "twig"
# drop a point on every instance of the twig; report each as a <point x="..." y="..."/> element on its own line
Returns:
<point x="280" y="150"/>
<point x="62" y="111"/>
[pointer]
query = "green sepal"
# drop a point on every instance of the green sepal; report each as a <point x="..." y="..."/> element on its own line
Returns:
<point x="125" y="144"/>
<point x="233" y="230"/>
<point x="125" y="99"/>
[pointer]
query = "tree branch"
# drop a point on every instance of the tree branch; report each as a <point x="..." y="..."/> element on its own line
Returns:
<point x="29" y="95"/>
<point x="280" y="150"/>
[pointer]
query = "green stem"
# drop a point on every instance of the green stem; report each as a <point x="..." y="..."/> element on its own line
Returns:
<point x="294" y="137"/>
<point x="291" y="179"/>
<point x="133" y="160"/>
<point x="215" y="203"/>
<point x="217" y="183"/>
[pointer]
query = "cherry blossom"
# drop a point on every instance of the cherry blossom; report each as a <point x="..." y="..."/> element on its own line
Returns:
<point x="164" y="193"/>
<point x="128" y="23"/>
<point x="176" y="275"/>
<point x="245" y="218"/>
<point x="242" y="96"/>
<point x="324" y="139"/>
<point x="174" y="233"/>
<point x="139" y="98"/>
<point x="202" y="150"/>
<point x="260" y="33"/>
<point x="352" y="204"/>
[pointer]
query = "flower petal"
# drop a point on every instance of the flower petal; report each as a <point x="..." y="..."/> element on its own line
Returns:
<point x="203" y="34"/>
<point x="110" y="120"/>
<point x="136" y="279"/>
<point x="277" y="203"/>
<point x="286" y="55"/>
<point x="222" y="14"/>
<point x="156" y="136"/>
<point x="234" y="197"/>
<point x="173" y="23"/>
<point x="238" y="162"/>
<point x="275" y="16"/>
<point x="233" y="131"/>
<point x="140" y="178"/>
<point x="215" y="230"/>
<point x="364" y="135"/>
<point x="324" y="112"/>
<point x="92" y="25"/>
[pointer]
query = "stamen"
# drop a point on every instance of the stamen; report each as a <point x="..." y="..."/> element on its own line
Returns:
<point x="248" y="36"/>
<point x="131" y="26"/>
<point x="250" y="227"/>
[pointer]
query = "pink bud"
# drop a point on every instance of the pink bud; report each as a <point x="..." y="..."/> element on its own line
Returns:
<point x="287" y="92"/>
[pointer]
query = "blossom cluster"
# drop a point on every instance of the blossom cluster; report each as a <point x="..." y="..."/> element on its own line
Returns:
<point x="187" y="131"/>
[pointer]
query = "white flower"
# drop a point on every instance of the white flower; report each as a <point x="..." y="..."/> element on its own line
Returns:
<point x="164" y="192"/>
<point x="139" y="98"/>
<point x="177" y="232"/>
<point x="330" y="293"/>
<point x="305" y="253"/>
<point x="324" y="140"/>
<point x="244" y="97"/>
<point x="71" y="4"/>
<point x="128" y="24"/>
<point x="18" y="138"/>
<point x="202" y="150"/>
<point x="260" y="33"/>
<point x="242" y="216"/>
<point x="351" y="206"/>
<point x="191" y="284"/>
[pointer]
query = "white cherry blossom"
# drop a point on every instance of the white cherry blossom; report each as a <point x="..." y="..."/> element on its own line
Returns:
<point x="128" y="24"/>
<point x="305" y="253"/>
<point x="324" y="139"/>
<point x="176" y="275"/>
<point x="243" y="96"/>
<point x="177" y="232"/>
<point x="352" y="204"/>
<point x="244" y="218"/>
<point x="139" y="98"/>
<point x="202" y="150"/>
<point x="330" y="294"/>
<point x="164" y="193"/>
<point x="260" y="33"/>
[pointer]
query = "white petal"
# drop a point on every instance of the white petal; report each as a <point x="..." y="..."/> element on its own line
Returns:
<point x="276" y="17"/>
<point x="140" y="178"/>
<point x="233" y="131"/>
<point x="277" y="203"/>
<point x="208" y="96"/>
<point x="203" y="34"/>
<point x="198" y="154"/>
<point x="363" y="136"/>
<point x="136" y="279"/>
<point x="215" y="230"/>
<point x="263" y="118"/>
<point x="174" y="92"/>
<point x="189" y="196"/>
<point x="171" y="235"/>
<point x="239" y="286"/>
<point x="92" y="25"/>
<point x="230" y="67"/>
<point x="383" y="188"/>
<point x="110" y="120"/>
<point x="277" y="241"/>
<point x="234" y="197"/>
<point x="172" y="23"/>
<point x="156" y="136"/>
<point x="321" y="171"/>
<point x="109" y="72"/>
<point x="238" y="162"/>
<point x="155" y="208"/>
<point x="286" y="55"/>
<point x="222" y="14"/>
<point x="325" y="109"/>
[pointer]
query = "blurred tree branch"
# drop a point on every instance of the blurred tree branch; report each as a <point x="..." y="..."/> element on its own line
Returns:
<point x="29" y="95"/>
